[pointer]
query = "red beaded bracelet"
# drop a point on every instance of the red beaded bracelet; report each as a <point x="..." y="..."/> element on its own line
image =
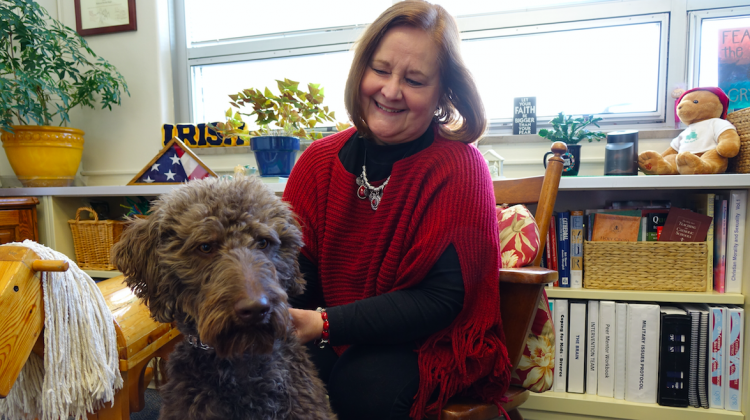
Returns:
<point x="323" y="340"/>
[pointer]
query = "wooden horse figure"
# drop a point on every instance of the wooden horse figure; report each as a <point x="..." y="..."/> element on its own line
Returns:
<point x="139" y="338"/>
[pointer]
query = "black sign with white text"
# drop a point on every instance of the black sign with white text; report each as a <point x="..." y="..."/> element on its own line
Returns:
<point x="524" y="115"/>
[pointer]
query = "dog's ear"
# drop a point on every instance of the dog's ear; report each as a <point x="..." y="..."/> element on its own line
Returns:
<point x="287" y="265"/>
<point x="135" y="255"/>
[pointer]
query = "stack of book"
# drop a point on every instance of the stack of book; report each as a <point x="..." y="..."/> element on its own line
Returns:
<point x="674" y="355"/>
<point x="717" y="219"/>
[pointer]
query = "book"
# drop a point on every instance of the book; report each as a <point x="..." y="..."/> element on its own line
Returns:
<point x="654" y="225"/>
<point x="592" y="341"/>
<point x="704" y="204"/>
<point x="642" y="353"/>
<point x="642" y="230"/>
<point x="576" y="249"/>
<point x="704" y="354"/>
<point x="685" y="226"/>
<point x="553" y="247"/>
<point x="577" y="347"/>
<point x="674" y="357"/>
<point x="737" y="206"/>
<point x="561" y="351"/>
<point x="563" y="248"/>
<point x="616" y="228"/>
<point x="606" y="351"/>
<point x="621" y="334"/>
<point x="590" y="216"/>
<point x="720" y="244"/>
<point x="717" y="338"/>
<point x="733" y="374"/>
<point x="698" y="312"/>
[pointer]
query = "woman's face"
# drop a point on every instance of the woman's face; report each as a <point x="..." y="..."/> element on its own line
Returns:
<point x="400" y="89"/>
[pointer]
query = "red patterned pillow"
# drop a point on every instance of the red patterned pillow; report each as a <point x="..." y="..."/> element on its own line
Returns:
<point x="519" y="242"/>
<point x="519" y="236"/>
<point x="536" y="370"/>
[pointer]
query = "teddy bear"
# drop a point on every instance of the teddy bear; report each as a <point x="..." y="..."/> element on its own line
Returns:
<point x="705" y="146"/>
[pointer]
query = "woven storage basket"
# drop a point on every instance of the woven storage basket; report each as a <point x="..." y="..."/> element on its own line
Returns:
<point x="741" y="120"/>
<point x="678" y="266"/>
<point x="93" y="240"/>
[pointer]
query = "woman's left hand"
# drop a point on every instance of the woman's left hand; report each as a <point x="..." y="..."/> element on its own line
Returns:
<point x="308" y="324"/>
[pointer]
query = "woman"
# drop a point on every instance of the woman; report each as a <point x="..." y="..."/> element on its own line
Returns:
<point x="401" y="243"/>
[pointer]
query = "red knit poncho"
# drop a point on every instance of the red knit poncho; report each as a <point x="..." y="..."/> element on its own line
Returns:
<point x="441" y="195"/>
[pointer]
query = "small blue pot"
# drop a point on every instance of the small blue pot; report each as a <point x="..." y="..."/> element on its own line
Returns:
<point x="275" y="154"/>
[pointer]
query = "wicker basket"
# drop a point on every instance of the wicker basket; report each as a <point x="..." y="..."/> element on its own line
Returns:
<point x="678" y="266"/>
<point x="93" y="240"/>
<point x="741" y="163"/>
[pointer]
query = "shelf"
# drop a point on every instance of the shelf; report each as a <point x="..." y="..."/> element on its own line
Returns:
<point x="102" y="274"/>
<point x="604" y="407"/>
<point x="644" y="182"/>
<point x="109" y="191"/>
<point x="647" y="296"/>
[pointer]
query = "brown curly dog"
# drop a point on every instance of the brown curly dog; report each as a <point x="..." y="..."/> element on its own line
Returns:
<point x="219" y="257"/>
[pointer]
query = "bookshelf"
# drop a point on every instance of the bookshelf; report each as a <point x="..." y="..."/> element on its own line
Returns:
<point x="641" y="296"/>
<point x="577" y="193"/>
<point x="564" y="406"/>
<point x="58" y="205"/>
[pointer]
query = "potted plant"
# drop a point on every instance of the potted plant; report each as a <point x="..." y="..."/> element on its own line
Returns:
<point x="572" y="131"/>
<point x="292" y="111"/>
<point x="47" y="69"/>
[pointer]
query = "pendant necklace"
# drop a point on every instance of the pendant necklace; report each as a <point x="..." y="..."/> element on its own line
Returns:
<point x="365" y="190"/>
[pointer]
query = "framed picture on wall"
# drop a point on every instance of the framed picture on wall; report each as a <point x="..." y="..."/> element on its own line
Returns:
<point x="95" y="17"/>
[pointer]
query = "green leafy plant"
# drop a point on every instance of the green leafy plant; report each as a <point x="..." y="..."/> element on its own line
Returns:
<point x="291" y="111"/>
<point x="571" y="130"/>
<point x="46" y="69"/>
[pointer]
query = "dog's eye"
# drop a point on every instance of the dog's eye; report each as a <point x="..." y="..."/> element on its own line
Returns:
<point x="695" y="101"/>
<point x="205" y="248"/>
<point x="262" y="243"/>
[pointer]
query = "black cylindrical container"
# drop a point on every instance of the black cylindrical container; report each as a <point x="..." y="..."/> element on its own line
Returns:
<point x="621" y="153"/>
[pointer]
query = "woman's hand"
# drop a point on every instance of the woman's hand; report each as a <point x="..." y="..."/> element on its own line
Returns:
<point x="308" y="325"/>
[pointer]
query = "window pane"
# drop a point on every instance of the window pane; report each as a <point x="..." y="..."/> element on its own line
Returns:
<point x="213" y="83"/>
<point x="725" y="58"/>
<point x="225" y="19"/>
<point x="475" y="7"/>
<point x="589" y="71"/>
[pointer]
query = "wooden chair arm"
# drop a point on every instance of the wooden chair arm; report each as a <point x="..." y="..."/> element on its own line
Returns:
<point x="527" y="275"/>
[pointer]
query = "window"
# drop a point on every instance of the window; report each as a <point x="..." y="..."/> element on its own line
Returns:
<point x="612" y="58"/>
<point x="721" y="41"/>
<point x="613" y="68"/>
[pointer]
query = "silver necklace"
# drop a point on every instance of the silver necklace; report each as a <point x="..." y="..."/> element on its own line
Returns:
<point x="365" y="190"/>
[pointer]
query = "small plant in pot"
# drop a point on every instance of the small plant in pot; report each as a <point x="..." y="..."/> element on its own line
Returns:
<point x="47" y="69"/>
<point x="294" y="113"/>
<point x="572" y="131"/>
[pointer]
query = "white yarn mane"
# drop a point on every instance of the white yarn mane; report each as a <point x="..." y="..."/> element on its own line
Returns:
<point x="80" y="370"/>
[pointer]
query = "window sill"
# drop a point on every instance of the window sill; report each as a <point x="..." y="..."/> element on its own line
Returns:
<point x="649" y="134"/>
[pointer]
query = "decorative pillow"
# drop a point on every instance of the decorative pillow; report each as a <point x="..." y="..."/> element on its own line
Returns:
<point x="536" y="370"/>
<point x="519" y="236"/>
<point x="519" y="243"/>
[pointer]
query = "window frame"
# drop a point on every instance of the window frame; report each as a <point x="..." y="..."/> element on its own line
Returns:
<point x="497" y="124"/>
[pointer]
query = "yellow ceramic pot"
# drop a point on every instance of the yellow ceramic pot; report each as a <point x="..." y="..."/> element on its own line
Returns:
<point x="44" y="156"/>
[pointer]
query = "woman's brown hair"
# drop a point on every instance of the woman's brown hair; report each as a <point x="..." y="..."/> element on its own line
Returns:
<point x="460" y="114"/>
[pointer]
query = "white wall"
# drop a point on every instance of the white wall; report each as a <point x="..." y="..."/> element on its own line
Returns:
<point x="121" y="142"/>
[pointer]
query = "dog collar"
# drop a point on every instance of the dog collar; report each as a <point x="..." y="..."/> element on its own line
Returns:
<point x="197" y="343"/>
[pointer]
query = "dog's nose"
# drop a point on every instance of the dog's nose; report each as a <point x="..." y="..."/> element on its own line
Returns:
<point x="252" y="310"/>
